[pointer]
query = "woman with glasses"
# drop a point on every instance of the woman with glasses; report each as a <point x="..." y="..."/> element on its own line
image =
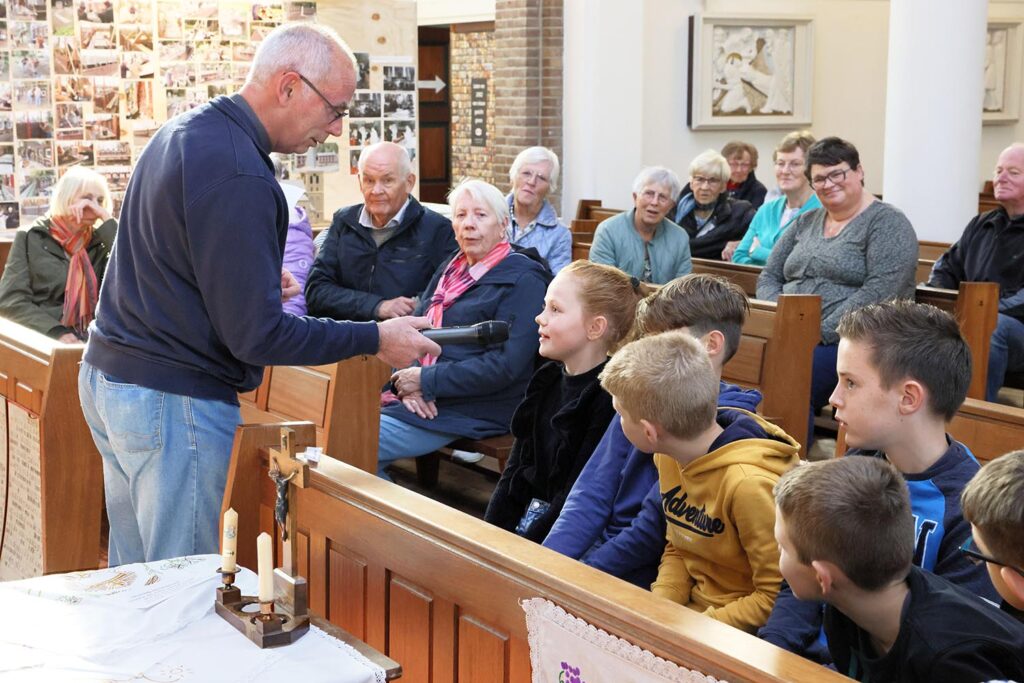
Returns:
<point x="855" y="250"/>
<point x="643" y="242"/>
<point x="534" y="222"/>
<point x="773" y="218"/>
<point x="708" y="214"/>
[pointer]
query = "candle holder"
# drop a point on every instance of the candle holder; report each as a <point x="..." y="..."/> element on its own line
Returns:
<point x="284" y="619"/>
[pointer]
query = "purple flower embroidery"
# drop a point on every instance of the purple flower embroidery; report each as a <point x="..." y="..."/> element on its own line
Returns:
<point x="570" y="674"/>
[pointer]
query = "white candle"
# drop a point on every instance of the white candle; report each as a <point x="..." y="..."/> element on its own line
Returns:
<point x="265" y="565"/>
<point x="230" y="541"/>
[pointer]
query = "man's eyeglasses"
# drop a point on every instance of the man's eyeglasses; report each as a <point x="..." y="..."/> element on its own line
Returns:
<point x="657" y="197"/>
<point x="977" y="557"/>
<point x="835" y="177"/>
<point x="339" y="112"/>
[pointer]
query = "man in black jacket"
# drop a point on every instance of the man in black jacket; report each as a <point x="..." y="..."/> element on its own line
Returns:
<point x="991" y="249"/>
<point x="378" y="256"/>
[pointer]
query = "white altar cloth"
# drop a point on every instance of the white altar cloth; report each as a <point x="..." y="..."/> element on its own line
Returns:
<point x="155" y="622"/>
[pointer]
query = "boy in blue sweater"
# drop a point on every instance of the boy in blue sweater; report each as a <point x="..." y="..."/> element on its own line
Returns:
<point x="612" y="519"/>
<point x="903" y="373"/>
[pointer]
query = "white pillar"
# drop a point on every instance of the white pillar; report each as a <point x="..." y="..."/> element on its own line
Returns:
<point x="603" y="103"/>
<point x="933" y="112"/>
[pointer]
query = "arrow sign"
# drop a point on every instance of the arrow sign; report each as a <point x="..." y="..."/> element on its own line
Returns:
<point x="436" y="83"/>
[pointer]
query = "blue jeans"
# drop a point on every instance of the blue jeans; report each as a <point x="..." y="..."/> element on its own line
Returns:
<point x="823" y="382"/>
<point x="399" y="439"/>
<point x="1005" y="353"/>
<point x="165" y="463"/>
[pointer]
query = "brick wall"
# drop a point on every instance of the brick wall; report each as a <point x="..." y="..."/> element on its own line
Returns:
<point x="522" y="57"/>
<point x="472" y="56"/>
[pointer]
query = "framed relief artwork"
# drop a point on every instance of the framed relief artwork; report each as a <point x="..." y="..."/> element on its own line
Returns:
<point x="749" y="72"/>
<point x="1001" y="102"/>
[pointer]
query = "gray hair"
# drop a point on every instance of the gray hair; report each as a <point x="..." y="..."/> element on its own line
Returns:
<point x="536" y="155"/>
<point x="75" y="182"/>
<point x="711" y="163"/>
<point x="482" y="192"/>
<point x="302" y="47"/>
<point x="658" y="175"/>
<point x="404" y="162"/>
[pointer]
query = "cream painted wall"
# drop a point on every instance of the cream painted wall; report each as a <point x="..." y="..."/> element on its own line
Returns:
<point x="440" y="12"/>
<point x="646" y="107"/>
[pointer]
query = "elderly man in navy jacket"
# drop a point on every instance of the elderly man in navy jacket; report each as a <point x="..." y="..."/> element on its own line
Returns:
<point x="991" y="249"/>
<point x="378" y="256"/>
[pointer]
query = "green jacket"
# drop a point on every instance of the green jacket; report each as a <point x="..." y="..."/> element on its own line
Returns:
<point x="32" y="286"/>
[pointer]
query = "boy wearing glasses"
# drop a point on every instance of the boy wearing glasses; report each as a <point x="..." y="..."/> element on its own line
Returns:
<point x="903" y="372"/>
<point x="886" y="619"/>
<point x="992" y="503"/>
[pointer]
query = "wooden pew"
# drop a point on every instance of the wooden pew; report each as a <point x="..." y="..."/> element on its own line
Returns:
<point x="742" y="274"/>
<point x="341" y="399"/>
<point x="591" y="210"/>
<point x="931" y="250"/>
<point x="975" y="306"/>
<point x="439" y="591"/>
<point x="51" y="479"/>
<point x="775" y="356"/>
<point x="924" y="270"/>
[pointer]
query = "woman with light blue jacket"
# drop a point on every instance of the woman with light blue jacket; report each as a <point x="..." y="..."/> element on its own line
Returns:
<point x="775" y="216"/>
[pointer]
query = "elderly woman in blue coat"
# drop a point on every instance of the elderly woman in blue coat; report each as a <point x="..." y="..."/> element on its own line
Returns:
<point x="469" y="390"/>
<point x="533" y="221"/>
<point x="642" y="242"/>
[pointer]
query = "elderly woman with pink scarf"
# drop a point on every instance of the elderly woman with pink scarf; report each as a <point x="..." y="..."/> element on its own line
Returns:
<point x="469" y="390"/>
<point x="56" y="264"/>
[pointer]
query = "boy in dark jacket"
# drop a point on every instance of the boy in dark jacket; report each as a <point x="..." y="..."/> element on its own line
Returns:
<point x="845" y="531"/>
<point x="903" y="372"/>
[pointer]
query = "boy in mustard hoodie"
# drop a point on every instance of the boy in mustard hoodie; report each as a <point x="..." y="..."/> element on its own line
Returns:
<point x="716" y="471"/>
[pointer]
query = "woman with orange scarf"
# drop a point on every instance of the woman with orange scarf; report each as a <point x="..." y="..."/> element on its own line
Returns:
<point x="55" y="266"/>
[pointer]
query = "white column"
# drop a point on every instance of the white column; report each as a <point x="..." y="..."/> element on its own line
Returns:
<point x="602" y="108"/>
<point x="933" y="112"/>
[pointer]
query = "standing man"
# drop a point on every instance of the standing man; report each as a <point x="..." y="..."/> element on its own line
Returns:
<point x="190" y="310"/>
<point x="379" y="255"/>
<point x="991" y="249"/>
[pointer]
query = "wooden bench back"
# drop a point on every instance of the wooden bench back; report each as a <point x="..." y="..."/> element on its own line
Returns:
<point x="439" y="591"/>
<point x="341" y="399"/>
<point x="591" y="210"/>
<point x="51" y="478"/>
<point x="775" y="355"/>
<point x="931" y="250"/>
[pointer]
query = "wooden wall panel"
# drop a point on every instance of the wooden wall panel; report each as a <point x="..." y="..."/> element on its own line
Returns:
<point x="346" y="604"/>
<point x="483" y="653"/>
<point x="410" y="629"/>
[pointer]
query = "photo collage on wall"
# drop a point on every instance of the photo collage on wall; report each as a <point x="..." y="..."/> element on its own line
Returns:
<point x="385" y="113"/>
<point x="90" y="81"/>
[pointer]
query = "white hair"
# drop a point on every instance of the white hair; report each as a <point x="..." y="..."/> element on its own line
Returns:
<point x="303" y="47"/>
<point x="658" y="175"/>
<point x="711" y="163"/>
<point x="75" y="182"/>
<point x="404" y="162"/>
<point x="482" y="192"/>
<point x="536" y="155"/>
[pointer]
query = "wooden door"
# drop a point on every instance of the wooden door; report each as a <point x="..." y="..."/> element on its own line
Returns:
<point x="435" y="115"/>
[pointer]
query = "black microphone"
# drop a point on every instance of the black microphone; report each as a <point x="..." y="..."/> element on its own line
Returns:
<point x="488" y="332"/>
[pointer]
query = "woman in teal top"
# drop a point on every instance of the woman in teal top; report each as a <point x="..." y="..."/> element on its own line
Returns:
<point x="775" y="216"/>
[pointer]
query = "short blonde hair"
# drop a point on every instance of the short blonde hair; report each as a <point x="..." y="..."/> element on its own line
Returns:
<point x="482" y="192"/>
<point x="666" y="379"/>
<point x="711" y="163"/>
<point x="992" y="500"/>
<point x="75" y="182"/>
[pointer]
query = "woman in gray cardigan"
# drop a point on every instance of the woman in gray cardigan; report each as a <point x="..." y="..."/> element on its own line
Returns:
<point x="642" y="242"/>
<point x="854" y="251"/>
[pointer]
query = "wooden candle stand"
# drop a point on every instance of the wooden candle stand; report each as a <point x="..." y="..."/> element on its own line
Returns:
<point x="286" y="618"/>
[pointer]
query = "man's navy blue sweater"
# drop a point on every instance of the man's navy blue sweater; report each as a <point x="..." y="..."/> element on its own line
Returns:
<point x="191" y="301"/>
